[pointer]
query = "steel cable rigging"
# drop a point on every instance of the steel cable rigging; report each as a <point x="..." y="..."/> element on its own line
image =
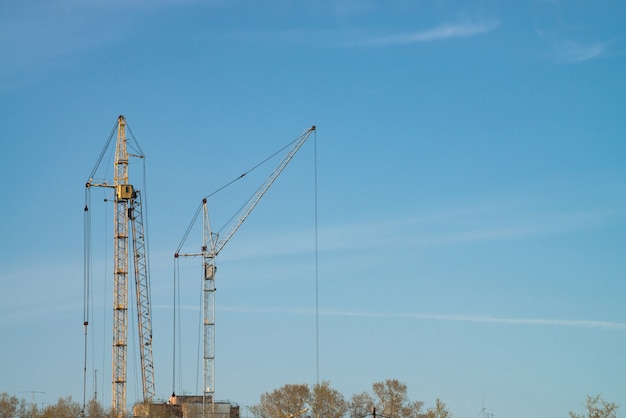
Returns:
<point x="213" y="244"/>
<point x="129" y="226"/>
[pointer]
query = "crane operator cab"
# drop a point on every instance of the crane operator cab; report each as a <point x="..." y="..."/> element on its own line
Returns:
<point x="124" y="192"/>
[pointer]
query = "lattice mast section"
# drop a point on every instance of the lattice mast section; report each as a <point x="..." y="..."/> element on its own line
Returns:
<point x="123" y="193"/>
<point x="208" y="309"/>
<point x="144" y="318"/>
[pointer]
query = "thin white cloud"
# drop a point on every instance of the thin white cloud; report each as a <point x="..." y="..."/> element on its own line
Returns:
<point x="438" y="33"/>
<point x="576" y="323"/>
<point x="545" y="225"/>
<point x="573" y="52"/>
<point x="356" y="39"/>
<point x="51" y="39"/>
<point x="483" y="319"/>
<point x="568" y="51"/>
<point x="461" y="227"/>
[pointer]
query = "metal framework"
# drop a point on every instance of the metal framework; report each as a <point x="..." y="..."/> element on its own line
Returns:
<point x="208" y="309"/>
<point x="128" y="217"/>
<point x="144" y="318"/>
<point x="123" y="193"/>
<point x="212" y="245"/>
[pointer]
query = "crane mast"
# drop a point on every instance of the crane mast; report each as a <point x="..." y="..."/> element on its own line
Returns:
<point x="208" y="308"/>
<point x="212" y="245"/>
<point x="123" y="193"/>
<point x="128" y="218"/>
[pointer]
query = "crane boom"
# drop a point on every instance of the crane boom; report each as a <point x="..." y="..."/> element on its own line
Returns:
<point x="144" y="318"/>
<point x="221" y="241"/>
<point x="212" y="247"/>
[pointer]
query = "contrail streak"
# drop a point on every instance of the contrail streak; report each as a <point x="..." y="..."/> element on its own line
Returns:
<point x="485" y="319"/>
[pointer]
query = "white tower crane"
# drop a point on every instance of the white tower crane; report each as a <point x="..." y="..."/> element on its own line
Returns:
<point x="211" y="247"/>
<point x="128" y="211"/>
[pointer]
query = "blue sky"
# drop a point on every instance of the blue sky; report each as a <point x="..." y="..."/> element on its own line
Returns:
<point x="470" y="179"/>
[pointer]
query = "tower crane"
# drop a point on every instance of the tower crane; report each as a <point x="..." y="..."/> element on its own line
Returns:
<point x="128" y="217"/>
<point x="212" y="245"/>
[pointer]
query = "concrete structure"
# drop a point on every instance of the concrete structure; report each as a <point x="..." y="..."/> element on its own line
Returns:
<point x="187" y="407"/>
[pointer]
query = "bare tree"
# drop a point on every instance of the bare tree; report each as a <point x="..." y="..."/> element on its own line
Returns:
<point x="326" y="402"/>
<point x="28" y="409"/>
<point x="392" y="400"/>
<point x="9" y="405"/>
<point x="596" y="407"/>
<point x="288" y="401"/>
<point x="439" y="410"/>
<point x="361" y="405"/>
<point x="64" y="408"/>
<point x="94" y="409"/>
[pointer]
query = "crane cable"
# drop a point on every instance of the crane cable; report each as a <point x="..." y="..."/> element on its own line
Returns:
<point x="102" y="153"/>
<point x="176" y="296"/>
<point x="86" y="284"/>
<point x="144" y="205"/>
<point x="317" y="309"/>
<point x="87" y="259"/>
<point x="219" y="189"/>
<point x="87" y="250"/>
<point x="176" y="274"/>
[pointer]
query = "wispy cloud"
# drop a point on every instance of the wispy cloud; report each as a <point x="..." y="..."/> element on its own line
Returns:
<point x="483" y="319"/>
<point x="50" y="38"/>
<point x="568" y="51"/>
<point x="437" y="33"/>
<point x="361" y="38"/>
<point x="497" y="223"/>
<point x="573" y="52"/>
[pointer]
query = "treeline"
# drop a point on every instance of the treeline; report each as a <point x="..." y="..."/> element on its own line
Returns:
<point x="387" y="399"/>
<point x="12" y="407"/>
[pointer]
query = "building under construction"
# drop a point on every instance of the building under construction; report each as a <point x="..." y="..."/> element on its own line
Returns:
<point x="187" y="407"/>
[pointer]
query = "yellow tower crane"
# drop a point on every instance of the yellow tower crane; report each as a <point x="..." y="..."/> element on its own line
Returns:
<point x="128" y="217"/>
